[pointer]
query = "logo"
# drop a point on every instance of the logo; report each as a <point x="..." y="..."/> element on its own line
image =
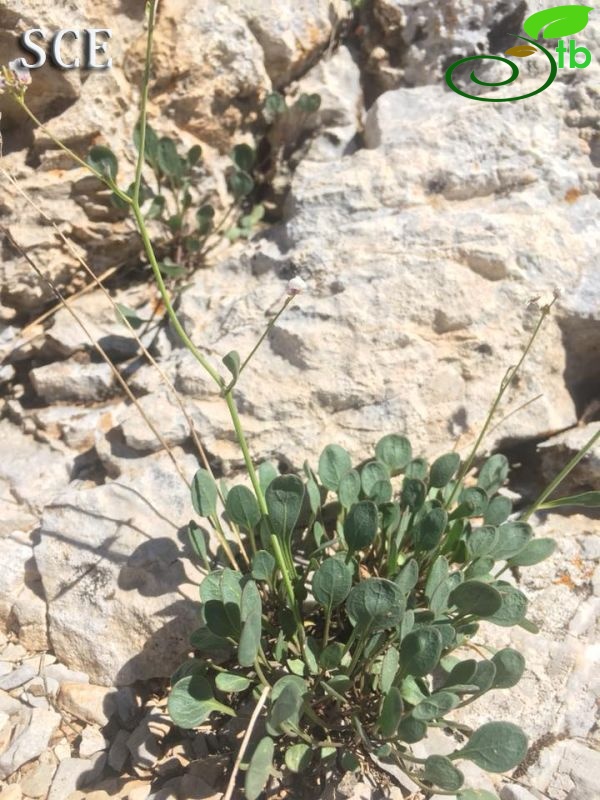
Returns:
<point x="551" y="23"/>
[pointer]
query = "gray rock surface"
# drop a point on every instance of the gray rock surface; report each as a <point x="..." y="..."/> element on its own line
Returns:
<point x="32" y="731"/>
<point x="128" y="582"/>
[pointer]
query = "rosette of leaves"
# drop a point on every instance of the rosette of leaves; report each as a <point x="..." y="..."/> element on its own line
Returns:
<point x="171" y="193"/>
<point x="395" y="563"/>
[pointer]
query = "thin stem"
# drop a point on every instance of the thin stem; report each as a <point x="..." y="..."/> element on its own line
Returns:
<point x="261" y="674"/>
<point x="144" y="104"/>
<point x="506" y="382"/>
<point x="236" y="767"/>
<point x="265" y="333"/>
<point x="121" y="195"/>
<point x="562" y="475"/>
<point x="327" y="626"/>
<point x="222" y="538"/>
<point x="167" y="300"/>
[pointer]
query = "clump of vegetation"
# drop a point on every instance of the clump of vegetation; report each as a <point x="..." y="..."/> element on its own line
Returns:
<point x="346" y="599"/>
<point x="366" y="585"/>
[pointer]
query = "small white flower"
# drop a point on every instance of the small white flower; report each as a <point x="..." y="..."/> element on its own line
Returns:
<point x="296" y="286"/>
<point x="20" y="70"/>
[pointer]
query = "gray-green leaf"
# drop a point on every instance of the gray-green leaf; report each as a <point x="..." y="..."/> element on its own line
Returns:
<point x="495" y="747"/>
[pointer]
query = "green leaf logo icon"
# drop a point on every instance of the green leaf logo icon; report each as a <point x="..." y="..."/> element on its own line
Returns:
<point x="553" y="23"/>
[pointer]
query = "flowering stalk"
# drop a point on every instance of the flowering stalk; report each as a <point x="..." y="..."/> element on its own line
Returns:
<point x="16" y="78"/>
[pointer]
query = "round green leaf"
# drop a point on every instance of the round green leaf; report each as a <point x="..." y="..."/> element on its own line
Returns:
<point x="413" y="493"/>
<point x="475" y="597"/>
<point x="420" y="651"/>
<point x="462" y="673"/>
<point x="360" y="526"/>
<point x="438" y="573"/>
<point x="407" y="578"/>
<point x="493" y="473"/>
<point x="168" y="158"/>
<point x="431" y="528"/>
<point x="240" y="184"/>
<point x="534" y="551"/>
<point x="512" y="538"/>
<point x="482" y="541"/>
<point x="191" y="702"/>
<point x="476" y="498"/>
<point x="480" y="568"/>
<point x="259" y="769"/>
<point x="242" y="508"/>
<point x="309" y="103"/>
<point x="286" y="709"/>
<point x="204" y="493"/>
<point x="104" y="161"/>
<point x="284" y="498"/>
<point x="263" y="565"/>
<point x="334" y="463"/>
<point x="498" y="511"/>
<point x="244" y="157"/>
<point x="513" y="608"/>
<point x="510" y="666"/>
<point x="194" y="155"/>
<point x="394" y="451"/>
<point x="273" y="106"/>
<point x="435" y="706"/>
<point x="348" y="761"/>
<point x="331" y="583"/>
<point x="332" y="655"/>
<point x="349" y="488"/>
<point x="298" y="757"/>
<point x="411" y="730"/>
<point x="376" y="604"/>
<point x="266" y="474"/>
<point x="495" y="747"/>
<point x="440" y="771"/>
<point x="443" y="469"/>
<point x="418" y="468"/>
<point x="484" y="676"/>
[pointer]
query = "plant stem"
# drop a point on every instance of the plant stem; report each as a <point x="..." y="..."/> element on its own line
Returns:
<point x="327" y="626"/>
<point x="506" y="381"/>
<point x="236" y="767"/>
<point x="562" y="475"/>
<point x="121" y="195"/>
<point x="167" y="300"/>
<point x="265" y="333"/>
<point x="144" y="104"/>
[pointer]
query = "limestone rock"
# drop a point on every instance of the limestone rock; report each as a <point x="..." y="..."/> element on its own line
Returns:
<point x="293" y="37"/>
<point x="71" y="380"/>
<point x="110" y="562"/>
<point x="88" y="702"/>
<point x="210" y="96"/>
<point x="37" y="781"/>
<point x="29" y="740"/>
<point x="70" y="775"/>
<point x="566" y="771"/>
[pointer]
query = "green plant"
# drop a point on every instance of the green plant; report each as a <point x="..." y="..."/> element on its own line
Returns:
<point x="390" y="587"/>
<point x="170" y="192"/>
<point x="346" y="598"/>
